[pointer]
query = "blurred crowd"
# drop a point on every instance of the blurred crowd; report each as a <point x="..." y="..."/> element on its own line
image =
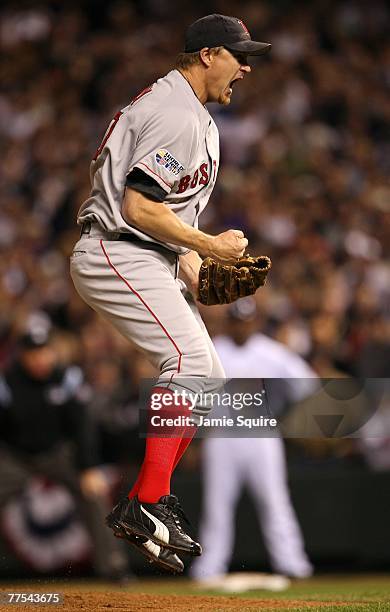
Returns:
<point x="305" y="160"/>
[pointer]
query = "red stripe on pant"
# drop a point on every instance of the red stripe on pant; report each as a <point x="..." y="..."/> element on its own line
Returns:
<point x="155" y="317"/>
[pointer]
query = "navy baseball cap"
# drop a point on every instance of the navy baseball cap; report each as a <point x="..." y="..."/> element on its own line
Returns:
<point x="244" y="309"/>
<point x="222" y="31"/>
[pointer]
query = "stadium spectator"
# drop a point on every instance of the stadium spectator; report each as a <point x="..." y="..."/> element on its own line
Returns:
<point x="47" y="430"/>
<point x="305" y="160"/>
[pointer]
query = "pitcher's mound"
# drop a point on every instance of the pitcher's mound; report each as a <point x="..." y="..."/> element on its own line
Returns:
<point x="136" y="602"/>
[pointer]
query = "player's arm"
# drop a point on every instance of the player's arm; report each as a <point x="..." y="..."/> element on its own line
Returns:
<point x="189" y="270"/>
<point x="157" y="220"/>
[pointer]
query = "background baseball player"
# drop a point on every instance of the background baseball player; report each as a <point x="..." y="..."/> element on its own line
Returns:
<point x="152" y="176"/>
<point x="259" y="463"/>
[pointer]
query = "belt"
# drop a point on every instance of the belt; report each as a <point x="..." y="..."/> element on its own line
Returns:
<point x="87" y="226"/>
<point x="127" y="237"/>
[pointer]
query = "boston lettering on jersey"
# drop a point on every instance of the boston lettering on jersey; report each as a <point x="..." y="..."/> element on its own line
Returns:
<point x="200" y="177"/>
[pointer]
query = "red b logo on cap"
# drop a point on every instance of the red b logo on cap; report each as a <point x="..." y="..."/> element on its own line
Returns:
<point x="243" y="26"/>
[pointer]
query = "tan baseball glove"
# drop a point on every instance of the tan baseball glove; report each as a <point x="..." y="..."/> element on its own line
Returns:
<point x="224" y="283"/>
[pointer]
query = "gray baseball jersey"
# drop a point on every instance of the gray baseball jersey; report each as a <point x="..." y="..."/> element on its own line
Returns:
<point x="168" y="134"/>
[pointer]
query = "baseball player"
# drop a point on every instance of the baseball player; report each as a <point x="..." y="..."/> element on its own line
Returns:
<point x="152" y="176"/>
<point x="259" y="463"/>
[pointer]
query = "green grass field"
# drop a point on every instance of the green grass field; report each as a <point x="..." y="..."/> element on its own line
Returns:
<point x="364" y="593"/>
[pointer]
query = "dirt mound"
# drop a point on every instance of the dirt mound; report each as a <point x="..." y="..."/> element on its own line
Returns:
<point x="138" y="602"/>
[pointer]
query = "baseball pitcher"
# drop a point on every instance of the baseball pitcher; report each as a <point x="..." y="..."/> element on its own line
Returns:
<point x="152" y="176"/>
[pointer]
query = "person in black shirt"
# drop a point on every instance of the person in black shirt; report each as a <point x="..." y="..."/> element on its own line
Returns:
<point x="47" y="429"/>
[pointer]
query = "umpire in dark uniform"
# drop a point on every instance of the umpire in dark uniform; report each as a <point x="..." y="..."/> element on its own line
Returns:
<point x="46" y="429"/>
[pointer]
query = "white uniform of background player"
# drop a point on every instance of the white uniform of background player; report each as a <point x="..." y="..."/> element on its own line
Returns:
<point x="258" y="463"/>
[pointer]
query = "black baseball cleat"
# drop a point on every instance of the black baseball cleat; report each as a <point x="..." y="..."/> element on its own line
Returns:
<point x="160" y="523"/>
<point x="155" y="553"/>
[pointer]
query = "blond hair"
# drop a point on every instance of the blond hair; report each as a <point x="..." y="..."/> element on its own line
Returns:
<point x="185" y="60"/>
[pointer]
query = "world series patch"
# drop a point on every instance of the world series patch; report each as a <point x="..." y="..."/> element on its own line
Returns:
<point x="165" y="159"/>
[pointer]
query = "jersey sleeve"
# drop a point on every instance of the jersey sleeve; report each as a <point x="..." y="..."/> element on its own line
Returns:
<point x="164" y="147"/>
<point x="144" y="183"/>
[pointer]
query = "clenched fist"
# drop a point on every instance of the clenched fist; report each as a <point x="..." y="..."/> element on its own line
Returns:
<point x="228" y="246"/>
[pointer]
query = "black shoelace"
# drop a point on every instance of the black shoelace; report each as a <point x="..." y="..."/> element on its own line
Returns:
<point x="177" y="513"/>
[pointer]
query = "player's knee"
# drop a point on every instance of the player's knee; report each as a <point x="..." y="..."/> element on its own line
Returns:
<point x="199" y="362"/>
<point x="195" y="361"/>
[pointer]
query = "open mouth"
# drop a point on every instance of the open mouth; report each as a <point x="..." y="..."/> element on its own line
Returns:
<point x="230" y="88"/>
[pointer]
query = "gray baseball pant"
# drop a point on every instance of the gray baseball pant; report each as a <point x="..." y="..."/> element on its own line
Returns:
<point x="136" y="288"/>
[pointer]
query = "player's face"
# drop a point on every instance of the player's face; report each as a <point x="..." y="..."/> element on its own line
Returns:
<point x="39" y="362"/>
<point x="241" y="331"/>
<point x="227" y="69"/>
